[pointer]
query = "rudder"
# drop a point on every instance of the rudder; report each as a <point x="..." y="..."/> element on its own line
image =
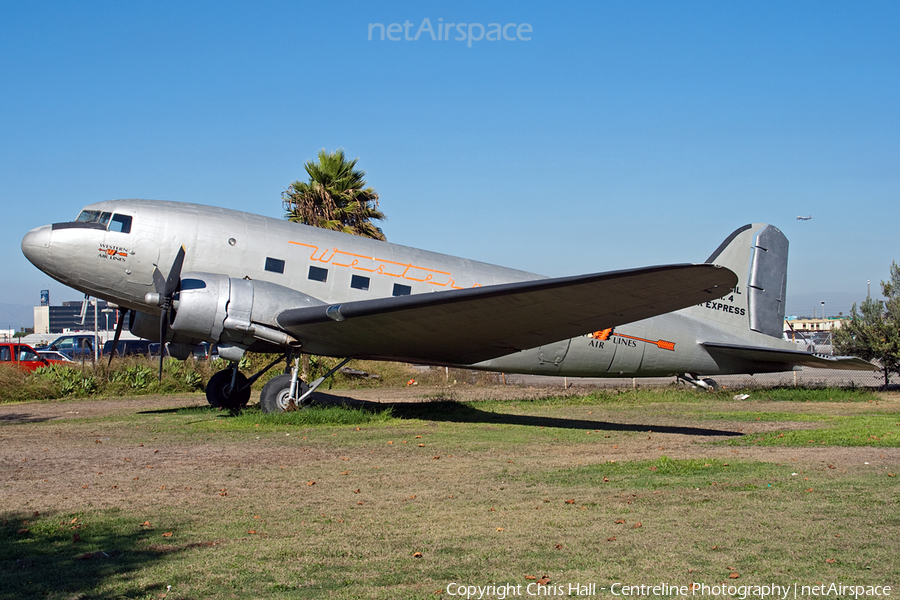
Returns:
<point x="758" y="254"/>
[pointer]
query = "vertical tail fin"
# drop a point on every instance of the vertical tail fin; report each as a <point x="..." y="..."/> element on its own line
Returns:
<point x="758" y="253"/>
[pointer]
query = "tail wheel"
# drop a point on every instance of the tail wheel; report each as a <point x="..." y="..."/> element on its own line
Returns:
<point x="221" y="394"/>
<point x="712" y="384"/>
<point x="276" y="394"/>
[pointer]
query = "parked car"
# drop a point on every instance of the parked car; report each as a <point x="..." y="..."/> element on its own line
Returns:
<point x="24" y="357"/>
<point x="75" y="345"/>
<point x="129" y="348"/>
<point x="205" y="351"/>
<point x="202" y="351"/>
<point x="53" y="355"/>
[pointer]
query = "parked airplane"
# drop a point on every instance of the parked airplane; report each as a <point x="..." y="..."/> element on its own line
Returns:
<point x="247" y="282"/>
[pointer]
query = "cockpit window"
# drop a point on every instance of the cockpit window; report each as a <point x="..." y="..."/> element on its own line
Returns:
<point x="95" y="219"/>
<point x="120" y="223"/>
<point x="93" y="216"/>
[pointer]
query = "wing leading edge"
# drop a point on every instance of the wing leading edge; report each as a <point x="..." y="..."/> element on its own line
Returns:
<point x="771" y="359"/>
<point x="476" y="324"/>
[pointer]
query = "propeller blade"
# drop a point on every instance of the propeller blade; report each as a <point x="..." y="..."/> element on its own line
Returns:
<point x="166" y="290"/>
<point x="122" y="313"/>
<point x="163" y="332"/>
<point x="174" y="278"/>
<point x="167" y="286"/>
<point x="159" y="282"/>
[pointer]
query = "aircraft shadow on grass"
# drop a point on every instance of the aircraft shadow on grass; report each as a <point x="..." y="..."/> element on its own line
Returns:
<point x="452" y="411"/>
<point x="17" y="418"/>
<point x="458" y="412"/>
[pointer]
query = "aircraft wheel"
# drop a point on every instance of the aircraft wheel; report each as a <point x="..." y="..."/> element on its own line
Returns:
<point x="712" y="383"/>
<point x="276" y="394"/>
<point x="220" y="394"/>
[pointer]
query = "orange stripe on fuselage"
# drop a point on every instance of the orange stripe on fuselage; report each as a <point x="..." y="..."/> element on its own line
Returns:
<point x="381" y="266"/>
<point x="663" y="344"/>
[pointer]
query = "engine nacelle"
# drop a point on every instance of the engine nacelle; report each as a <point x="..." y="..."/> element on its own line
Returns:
<point x="146" y="326"/>
<point x="234" y="312"/>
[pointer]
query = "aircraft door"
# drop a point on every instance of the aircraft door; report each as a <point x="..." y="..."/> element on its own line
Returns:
<point x="629" y="351"/>
<point x="143" y="259"/>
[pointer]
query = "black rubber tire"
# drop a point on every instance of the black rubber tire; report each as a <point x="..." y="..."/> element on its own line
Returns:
<point x="712" y="383"/>
<point x="220" y="394"/>
<point x="275" y="395"/>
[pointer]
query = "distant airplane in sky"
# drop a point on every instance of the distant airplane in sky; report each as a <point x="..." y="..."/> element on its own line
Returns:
<point x="804" y="218"/>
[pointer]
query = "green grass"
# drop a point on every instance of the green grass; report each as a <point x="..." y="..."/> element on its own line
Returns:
<point x="878" y="431"/>
<point x="543" y="415"/>
<point x="253" y="419"/>
<point x="666" y="472"/>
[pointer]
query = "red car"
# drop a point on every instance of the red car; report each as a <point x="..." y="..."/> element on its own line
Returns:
<point x="23" y="356"/>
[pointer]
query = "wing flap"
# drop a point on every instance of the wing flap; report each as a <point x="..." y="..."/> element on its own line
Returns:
<point x="789" y="358"/>
<point x="476" y="324"/>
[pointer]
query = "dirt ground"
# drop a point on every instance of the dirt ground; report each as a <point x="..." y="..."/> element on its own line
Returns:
<point x="674" y="435"/>
<point x="80" y="409"/>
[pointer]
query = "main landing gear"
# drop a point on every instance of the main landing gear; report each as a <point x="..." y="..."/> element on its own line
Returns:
<point x="707" y="383"/>
<point x="230" y="389"/>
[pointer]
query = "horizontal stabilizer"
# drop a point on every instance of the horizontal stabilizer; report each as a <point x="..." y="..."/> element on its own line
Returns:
<point x="789" y="358"/>
<point x="475" y="324"/>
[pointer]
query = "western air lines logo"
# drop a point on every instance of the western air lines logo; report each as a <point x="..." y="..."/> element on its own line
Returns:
<point x="610" y="335"/>
<point x="112" y="252"/>
<point x="381" y="266"/>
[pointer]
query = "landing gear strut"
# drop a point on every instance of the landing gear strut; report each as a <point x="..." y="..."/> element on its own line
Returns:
<point x="289" y="392"/>
<point x="230" y="389"/>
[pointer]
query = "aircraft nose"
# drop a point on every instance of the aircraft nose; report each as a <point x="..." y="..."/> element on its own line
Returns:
<point x="36" y="245"/>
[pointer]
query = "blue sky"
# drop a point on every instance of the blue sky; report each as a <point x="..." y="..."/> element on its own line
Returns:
<point x="621" y="134"/>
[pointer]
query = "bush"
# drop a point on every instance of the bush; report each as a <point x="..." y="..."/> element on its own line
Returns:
<point x="67" y="381"/>
<point x="18" y="386"/>
<point x="140" y="375"/>
<point x="124" y="377"/>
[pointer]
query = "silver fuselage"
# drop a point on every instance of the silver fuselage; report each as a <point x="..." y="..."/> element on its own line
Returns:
<point x="119" y="267"/>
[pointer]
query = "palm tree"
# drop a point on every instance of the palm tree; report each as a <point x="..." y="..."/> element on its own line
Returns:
<point x="336" y="197"/>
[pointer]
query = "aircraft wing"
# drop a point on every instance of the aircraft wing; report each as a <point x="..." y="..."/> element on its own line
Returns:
<point x="800" y="358"/>
<point x="475" y="324"/>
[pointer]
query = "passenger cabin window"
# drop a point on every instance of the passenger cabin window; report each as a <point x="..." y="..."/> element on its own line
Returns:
<point x="120" y="223"/>
<point x="358" y="282"/>
<point x="402" y="290"/>
<point x="318" y="274"/>
<point x="275" y="265"/>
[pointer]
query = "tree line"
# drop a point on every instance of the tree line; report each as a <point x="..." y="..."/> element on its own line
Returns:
<point x="873" y="331"/>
